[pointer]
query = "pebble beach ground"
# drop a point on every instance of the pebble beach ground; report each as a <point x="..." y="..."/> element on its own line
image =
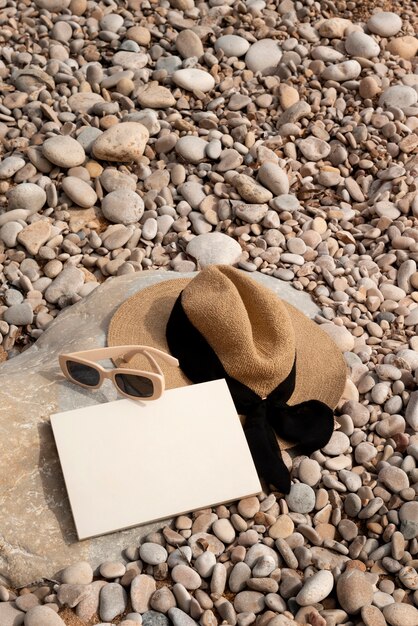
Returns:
<point x="278" y="136"/>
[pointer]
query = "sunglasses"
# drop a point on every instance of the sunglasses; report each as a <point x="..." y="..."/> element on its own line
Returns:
<point x="81" y="368"/>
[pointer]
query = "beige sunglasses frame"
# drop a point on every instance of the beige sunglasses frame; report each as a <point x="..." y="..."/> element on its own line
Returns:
<point x="89" y="357"/>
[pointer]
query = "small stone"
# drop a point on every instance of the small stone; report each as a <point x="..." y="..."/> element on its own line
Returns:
<point x="248" y="507"/>
<point x="314" y="149"/>
<point x="282" y="528"/>
<point x="67" y="284"/>
<point x="354" y="591"/>
<point x="224" y="530"/>
<point x="124" y="142"/>
<point x="405" y="47"/>
<point x="249" y="602"/>
<point x="9" y="166"/>
<point x="180" y="618"/>
<point x="401" y="614"/>
<point x="192" y="78"/>
<point x="301" y="498"/>
<point x="263" y="56"/>
<point x="10" y="615"/>
<point x="42" y="616"/>
<point x="400" y="96"/>
<point x="409" y="578"/>
<point x="251" y="213"/>
<point x="274" y="178"/>
<point x="191" y="148"/>
<point x="358" y="44"/>
<point x="250" y="191"/>
<point x="155" y="96"/>
<point x="113" y="601"/>
<point x="341" y="72"/>
<point x="162" y="600"/>
<point x="130" y="60"/>
<point x="188" y="44"/>
<point x="186" y="576"/>
<point x="26" y="196"/>
<point x="394" y="478"/>
<point x="205" y="563"/>
<point x="372" y="616"/>
<point x="214" y="248"/>
<point x="153" y="618"/>
<point x="142" y="588"/>
<point x="112" y="569"/>
<point x="64" y="151"/>
<point x="309" y="472"/>
<point x="316" y="588"/>
<point x="152" y="553"/>
<point x="338" y="444"/>
<point x="123" y="206"/>
<point x="32" y="237"/>
<point x="79" y="191"/>
<point x="112" y="179"/>
<point x="239" y="576"/>
<point x="232" y="45"/>
<point x="384" y="23"/>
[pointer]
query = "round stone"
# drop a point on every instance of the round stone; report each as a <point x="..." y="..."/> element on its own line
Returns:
<point x="224" y="530"/>
<point x="191" y="78"/>
<point x="249" y="602"/>
<point x="63" y="151"/>
<point x="301" y="498"/>
<point x="309" y="472"/>
<point x="359" y="44"/>
<point x="77" y="574"/>
<point x="340" y="72"/>
<point x="274" y="178"/>
<point x="9" y="166"/>
<point x="354" y="591"/>
<point x="205" y="563"/>
<point x="263" y="56"/>
<point x="186" y="576"/>
<point x="338" y="444"/>
<point x="112" y="569"/>
<point x="79" y="191"/>
<point x="153" y="553"/>
<point x="124" y="142"/>
<point x="282" y="528"/>
<point x="340" y="335"/>
<point x="384" y="23"/>
<point x="248" y="507"/>
<point x="123" y="206"/>
<point x="316" y="588"/>
<point x="111" y="179"/>
<point x="191" y="148"/>
<point x="401" y="614"/>
<point x="19" y="314"/>
<point x="162" y="600"/>
<point x="188" y="44"/>
<point x="214" y="248"/>
<point x="27" y="196"/>
<point x="41" y="616"/>
<point x="232" y="45"/>
<point x="113" y="601"/>
<point x="399" y="96"/>
<point x="314" y="149"/>
<point x="153" y="618"/>
<point x="394" y="478"/>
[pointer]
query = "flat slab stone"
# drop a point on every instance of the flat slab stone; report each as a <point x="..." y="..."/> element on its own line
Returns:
<point x="37" y="533"/>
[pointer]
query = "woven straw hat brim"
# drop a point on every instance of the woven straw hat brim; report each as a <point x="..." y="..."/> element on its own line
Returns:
<point x="142" y="319"/>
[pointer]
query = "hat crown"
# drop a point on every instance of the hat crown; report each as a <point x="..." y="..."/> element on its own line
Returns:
<point x="245" y="324"/>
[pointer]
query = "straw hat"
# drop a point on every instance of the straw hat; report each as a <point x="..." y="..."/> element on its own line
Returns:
<point x="284" y="373"/>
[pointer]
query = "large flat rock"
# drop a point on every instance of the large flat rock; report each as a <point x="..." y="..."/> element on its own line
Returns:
<point x="37" y="533"/>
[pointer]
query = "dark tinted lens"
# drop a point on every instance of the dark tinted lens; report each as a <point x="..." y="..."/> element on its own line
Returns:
<point x="83" y="374"/>
<point x="137" y="386"/>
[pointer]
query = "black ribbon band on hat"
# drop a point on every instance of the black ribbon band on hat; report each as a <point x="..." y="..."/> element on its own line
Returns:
<point x="309" y="424"/>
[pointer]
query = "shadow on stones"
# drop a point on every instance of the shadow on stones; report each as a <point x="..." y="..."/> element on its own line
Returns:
<point x="53" y="485"/>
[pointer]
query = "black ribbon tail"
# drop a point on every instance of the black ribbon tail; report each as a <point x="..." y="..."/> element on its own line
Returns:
<point x="309" y="424"/>
<point x="266" y="452"/>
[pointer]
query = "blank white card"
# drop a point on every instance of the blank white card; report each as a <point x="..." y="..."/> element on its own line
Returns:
<point x="127" y="463"/>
